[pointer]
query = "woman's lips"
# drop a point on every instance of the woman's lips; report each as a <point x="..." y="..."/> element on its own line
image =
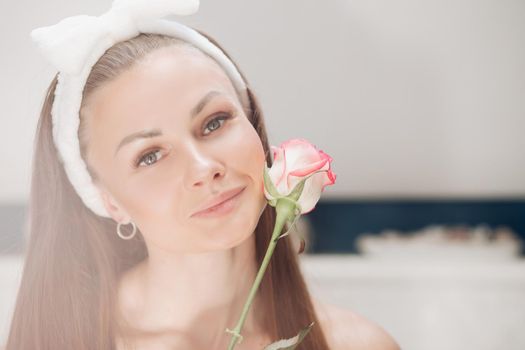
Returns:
<point x="222" y="208"/>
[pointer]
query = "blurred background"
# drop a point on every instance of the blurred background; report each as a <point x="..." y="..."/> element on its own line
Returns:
<point x="421" y="104"/>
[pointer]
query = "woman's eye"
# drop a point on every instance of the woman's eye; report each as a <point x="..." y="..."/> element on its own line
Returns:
<point x="151" y="157"/>
<point x="215" y="122"/>
<point x="148" y="158"/>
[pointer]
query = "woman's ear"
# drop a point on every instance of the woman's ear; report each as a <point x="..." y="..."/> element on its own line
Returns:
<point x="113" y="207"/>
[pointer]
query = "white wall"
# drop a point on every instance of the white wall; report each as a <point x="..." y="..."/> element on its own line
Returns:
<point x="410" y="98"/>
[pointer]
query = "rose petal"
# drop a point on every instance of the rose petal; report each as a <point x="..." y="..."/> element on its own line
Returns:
<point x="299" y="153"/>
<point x="277" y="171"/>
<point x="296" y="176"/>
<point x="313" y="188"/>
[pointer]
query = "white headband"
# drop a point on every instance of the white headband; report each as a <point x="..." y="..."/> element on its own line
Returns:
<point x="75" y="44"/>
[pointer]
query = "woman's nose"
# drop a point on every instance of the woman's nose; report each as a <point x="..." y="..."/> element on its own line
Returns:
<point x="203" y="167"/>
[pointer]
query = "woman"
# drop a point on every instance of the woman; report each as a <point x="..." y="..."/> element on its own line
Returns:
<point x="164" y="135"/>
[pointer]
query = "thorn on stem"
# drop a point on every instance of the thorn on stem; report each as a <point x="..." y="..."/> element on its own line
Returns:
<point x="235" y="334"/>
<point x="284" y="234"/>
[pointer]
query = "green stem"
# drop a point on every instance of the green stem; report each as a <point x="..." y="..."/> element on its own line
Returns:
<point x="284" y="210"/>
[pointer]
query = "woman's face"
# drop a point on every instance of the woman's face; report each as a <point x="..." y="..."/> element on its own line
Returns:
<point x="192" y="141"/>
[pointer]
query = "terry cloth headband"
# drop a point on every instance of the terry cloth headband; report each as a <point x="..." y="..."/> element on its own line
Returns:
<point x="75" y="44"/>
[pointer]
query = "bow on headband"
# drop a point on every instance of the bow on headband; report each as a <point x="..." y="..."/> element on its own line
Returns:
<point x="68" y="43"/>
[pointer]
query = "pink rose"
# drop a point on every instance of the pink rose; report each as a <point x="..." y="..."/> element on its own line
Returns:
<point x="293" y="185"/>
<point x="293" y="161"/>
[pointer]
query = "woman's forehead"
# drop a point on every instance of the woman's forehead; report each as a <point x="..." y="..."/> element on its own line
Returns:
<point x="178" y="69"/>
<point x="169" y="77"/>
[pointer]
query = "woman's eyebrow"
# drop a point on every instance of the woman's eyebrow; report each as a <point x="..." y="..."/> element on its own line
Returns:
<point x="148" y="133"/>
<point x="202" y="103"/>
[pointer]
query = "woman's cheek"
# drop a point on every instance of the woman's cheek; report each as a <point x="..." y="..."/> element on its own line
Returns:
<point x="249" y="151"/>
<point x="149" y="193"/>
<point x="257" y="162"/>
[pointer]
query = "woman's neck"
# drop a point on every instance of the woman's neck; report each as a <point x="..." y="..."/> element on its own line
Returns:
<point x="198" y="295"/>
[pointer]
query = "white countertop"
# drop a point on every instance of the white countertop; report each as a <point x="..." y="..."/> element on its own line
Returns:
<point x="428" y="304"/>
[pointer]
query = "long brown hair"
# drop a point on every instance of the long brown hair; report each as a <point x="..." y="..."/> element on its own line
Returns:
<point x="73" y="259"/>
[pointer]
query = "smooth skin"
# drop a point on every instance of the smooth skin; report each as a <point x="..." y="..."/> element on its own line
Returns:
<point x="195" y="280"/>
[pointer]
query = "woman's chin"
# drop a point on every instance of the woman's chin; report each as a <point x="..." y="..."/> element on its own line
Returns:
<point x="231" y="243"/>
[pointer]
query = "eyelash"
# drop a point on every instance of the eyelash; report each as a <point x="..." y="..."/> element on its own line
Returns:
<point x="140" y="158"/>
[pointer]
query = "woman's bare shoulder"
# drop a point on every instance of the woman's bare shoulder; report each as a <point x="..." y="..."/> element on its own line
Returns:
<point x="345" y="329"/>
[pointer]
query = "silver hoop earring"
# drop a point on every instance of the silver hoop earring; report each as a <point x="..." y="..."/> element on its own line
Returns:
<point x="131" y="235"/>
